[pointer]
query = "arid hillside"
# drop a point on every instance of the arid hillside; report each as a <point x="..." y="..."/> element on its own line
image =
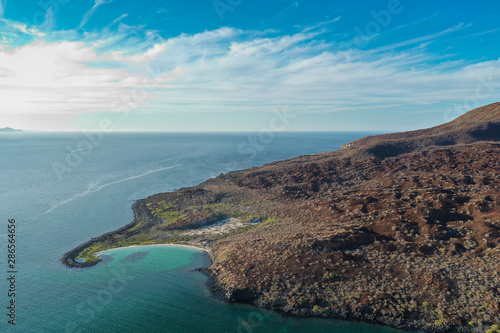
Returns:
<point x="476" y="125"/>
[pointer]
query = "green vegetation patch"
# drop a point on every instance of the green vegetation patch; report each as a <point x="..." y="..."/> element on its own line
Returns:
<point x="90" y="253"/>
<point x="494" y="329"/>
<point x="137" y="225"/>
<point x="432" y="315"/>
<point x="329" y="276"/>
<point x="271" y="220"/>
<point x="140" y="239"/>
<point x="165" y="212"/>
<point x="320" y="309"/>
<point x="230" y="210"/>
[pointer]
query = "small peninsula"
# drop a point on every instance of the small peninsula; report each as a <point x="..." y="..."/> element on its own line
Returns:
<point x="399" y="229"/>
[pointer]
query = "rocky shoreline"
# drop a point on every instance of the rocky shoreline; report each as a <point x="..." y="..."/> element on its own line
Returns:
<point x="221" y="292"/>
<point x="401" y="230"/>
<point x="70" y="258"/>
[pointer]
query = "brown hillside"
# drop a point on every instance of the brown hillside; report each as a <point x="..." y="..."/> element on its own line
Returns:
<point x="481" y="124"/>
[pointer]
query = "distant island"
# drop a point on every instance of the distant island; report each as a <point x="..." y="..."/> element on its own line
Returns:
<point x="9" y="130"/>
<point x="400" y="229"/>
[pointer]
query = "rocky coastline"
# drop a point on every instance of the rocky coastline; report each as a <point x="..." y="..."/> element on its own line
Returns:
<point x="401" y="230"/>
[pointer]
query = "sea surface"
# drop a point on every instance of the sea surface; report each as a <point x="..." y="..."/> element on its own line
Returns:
<point x="65" y="188"/>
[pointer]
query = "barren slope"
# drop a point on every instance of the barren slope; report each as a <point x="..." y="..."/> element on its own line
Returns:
<point x="479" y="124"/>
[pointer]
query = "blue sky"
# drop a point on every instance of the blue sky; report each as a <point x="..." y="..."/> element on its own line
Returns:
<point x="235" y="65"/>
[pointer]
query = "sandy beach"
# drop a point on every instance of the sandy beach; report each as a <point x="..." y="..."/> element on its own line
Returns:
<point x="150" y="245"/>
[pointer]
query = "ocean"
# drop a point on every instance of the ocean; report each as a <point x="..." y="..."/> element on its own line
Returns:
<point x="64" y="188"/>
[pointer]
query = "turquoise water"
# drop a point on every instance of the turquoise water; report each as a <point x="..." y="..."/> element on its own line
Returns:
<point x="147" y="289"/>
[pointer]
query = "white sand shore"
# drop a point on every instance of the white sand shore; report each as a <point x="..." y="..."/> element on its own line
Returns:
<point x="148" y="245"/>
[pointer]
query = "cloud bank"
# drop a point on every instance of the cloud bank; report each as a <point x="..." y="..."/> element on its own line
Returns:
<point x="227" y="70"/>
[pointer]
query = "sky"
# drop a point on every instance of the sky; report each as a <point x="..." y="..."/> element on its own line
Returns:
<point x="241" y="65"/>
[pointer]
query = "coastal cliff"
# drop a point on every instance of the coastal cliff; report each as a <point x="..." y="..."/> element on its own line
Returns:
<point x="401" y="229"/>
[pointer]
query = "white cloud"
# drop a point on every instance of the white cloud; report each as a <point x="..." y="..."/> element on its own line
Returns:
<point x="89" y="14"/>
<point x="54" y="77"/>
<point x="322" y="24"/>
<point x="23" y="28"/>
<point x="228" y="70"/>
<point x="50" y="20"/>
<point x="268" y="46"/>
<point x="149" y="55"/>
<point x="119" y="19"/>
<point x="4" y="43"/>
<point x="258" y="73"/>
<point x="430" y="37"/>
